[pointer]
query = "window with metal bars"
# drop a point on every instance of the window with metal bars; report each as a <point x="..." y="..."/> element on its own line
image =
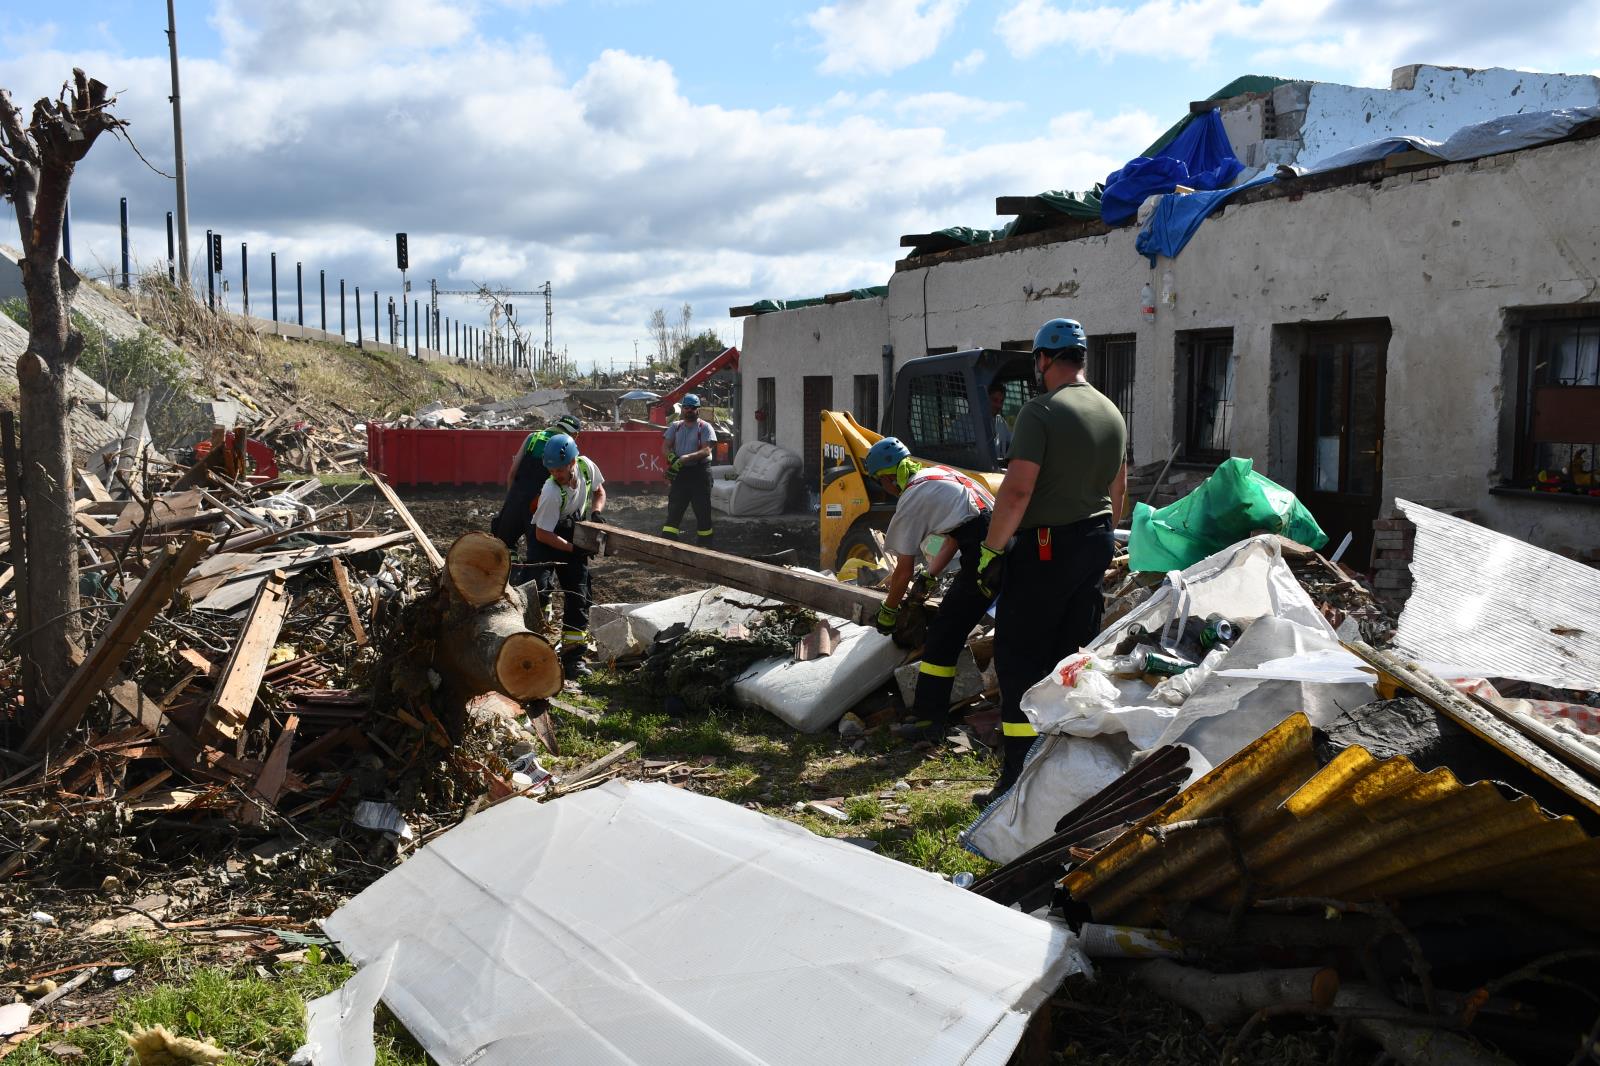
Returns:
<point x="1207" y="373"/>
<point x="767" y="409"/>
<point x="866" y="408"/>
<point x="940" y="413"/>
<point x="1110" y="369"/>
<point x="1558" y="423"/>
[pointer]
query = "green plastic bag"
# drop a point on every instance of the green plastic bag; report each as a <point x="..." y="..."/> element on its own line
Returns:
<point x="1228" y="506"/>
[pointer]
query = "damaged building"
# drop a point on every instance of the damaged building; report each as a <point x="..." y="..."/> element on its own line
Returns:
<point x="1397" y="297"/>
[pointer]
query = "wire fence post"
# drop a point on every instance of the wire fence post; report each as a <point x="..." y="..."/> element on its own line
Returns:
<point x="322" y="297"/>
<point x="125" y="264"/>
<point x="300" y="292"/>
<point x="244" y="275"/>
<point x="172" y="251"/>
<point x="359" y="344"/>
<point x="274" y="290"/>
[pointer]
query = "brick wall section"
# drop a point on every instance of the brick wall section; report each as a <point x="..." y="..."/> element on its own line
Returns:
<point x="1392" y="541"/>
<point x="1179" y="482"/>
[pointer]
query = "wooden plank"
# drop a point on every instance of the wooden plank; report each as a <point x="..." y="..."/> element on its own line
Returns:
<point x="573" y="709"/>
<point x="1484" y="722"/>
<point x="269" y="785"/>
<point x="405" y="516"/>
<point x="600" y="765"/>
<point x="94" y="487"/>
<point x="165" y="510"/>
<point x="342" y="579"/>
<point x="824" y="594"/>
<point x="141" y="606"/>
<point x="240" y="679"/>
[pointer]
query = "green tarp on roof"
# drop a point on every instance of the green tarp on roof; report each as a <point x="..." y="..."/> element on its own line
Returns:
<point x="1248" y="83"/>
<point x="763" y="307"/>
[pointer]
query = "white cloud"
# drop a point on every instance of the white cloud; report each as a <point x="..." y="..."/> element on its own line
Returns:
<point x="950" y="107"/>
<point x="610" y="181"/>
<point x="969" y="62"/>
<point x="1359" y="40"/>
<point x="881" y="36"/>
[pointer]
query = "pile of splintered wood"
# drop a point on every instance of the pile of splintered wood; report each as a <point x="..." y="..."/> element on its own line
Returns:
<point x="232" y="642"/>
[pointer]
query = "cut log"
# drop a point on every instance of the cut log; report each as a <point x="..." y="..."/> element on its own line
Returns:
<point x="476" y="568"/>
<point x="1230" y="999"/>
<point x="491" y="650"/>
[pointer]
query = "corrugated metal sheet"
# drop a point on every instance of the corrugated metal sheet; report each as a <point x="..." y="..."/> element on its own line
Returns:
<point x="1357" y="829"/>
<point x="1499" y="605"/>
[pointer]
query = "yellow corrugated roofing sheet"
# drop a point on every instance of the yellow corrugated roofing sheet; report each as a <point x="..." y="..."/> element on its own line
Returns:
<point x="1357" y="829"/>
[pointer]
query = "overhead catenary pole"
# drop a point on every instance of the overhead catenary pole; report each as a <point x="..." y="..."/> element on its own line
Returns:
<point x="244" y="275"/>
<point x="177" y="149"/>
<point x="172" y="264"/>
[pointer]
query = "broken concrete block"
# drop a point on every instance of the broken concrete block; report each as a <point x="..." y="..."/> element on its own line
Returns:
<point x="969" y="679"/>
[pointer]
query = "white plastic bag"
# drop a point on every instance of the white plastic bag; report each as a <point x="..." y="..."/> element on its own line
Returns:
<point x="1079" y="689"/>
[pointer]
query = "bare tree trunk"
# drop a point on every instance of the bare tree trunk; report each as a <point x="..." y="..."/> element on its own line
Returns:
<point x="36" y="167"/>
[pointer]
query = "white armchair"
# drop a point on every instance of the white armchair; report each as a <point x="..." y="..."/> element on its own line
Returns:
<point x="758" y="481"/>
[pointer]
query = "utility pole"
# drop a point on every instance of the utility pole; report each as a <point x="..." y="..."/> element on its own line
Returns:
<point x="177" y="150"/>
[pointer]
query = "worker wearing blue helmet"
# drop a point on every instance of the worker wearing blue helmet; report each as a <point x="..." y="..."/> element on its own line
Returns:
<point x="687" y="446"/>
<point x="575" y="491"/>
<point x="1064" y="490"/>
<point x="939" y="512"/>
<point x="524" y="478"/>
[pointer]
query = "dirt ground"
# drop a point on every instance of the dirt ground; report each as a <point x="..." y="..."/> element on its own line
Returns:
<point x="788" y="539"/>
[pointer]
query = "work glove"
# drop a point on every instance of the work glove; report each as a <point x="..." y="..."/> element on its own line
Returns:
<point x="922" y="585"/>
<point x="598" y="518"/>
<point x="991" y="569"/>
<point x="673" y="467"/>
<point x="887" y="617"/>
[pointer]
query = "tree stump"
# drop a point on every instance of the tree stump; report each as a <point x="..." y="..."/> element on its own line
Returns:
<point x="476" y="568"/>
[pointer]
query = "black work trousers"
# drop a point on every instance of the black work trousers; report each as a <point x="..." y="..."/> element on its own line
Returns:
<point x="692" y="487"/>
<point x="958" y="612"/>
<point x="569" y="570"/>
<point x="516" y="513"/>
<point x="1049" y="608"/>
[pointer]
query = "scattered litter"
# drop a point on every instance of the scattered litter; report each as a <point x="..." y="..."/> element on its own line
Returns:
<point x="384" y="817"/>
<point x="158" y="1047"/>
<point x="14" y="1018"/>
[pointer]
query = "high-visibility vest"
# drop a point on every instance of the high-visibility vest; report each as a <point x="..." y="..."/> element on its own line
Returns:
<point x="975" y="492"/>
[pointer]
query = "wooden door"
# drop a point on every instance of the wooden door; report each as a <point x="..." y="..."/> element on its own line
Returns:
<point x="1341" y="433"/>
<point x="817" y="397"/>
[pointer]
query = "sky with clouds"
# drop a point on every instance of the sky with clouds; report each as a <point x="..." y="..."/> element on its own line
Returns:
<point x="646" y="153"/>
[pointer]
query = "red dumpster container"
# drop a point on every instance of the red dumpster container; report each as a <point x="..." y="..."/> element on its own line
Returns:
<point x="481" y="456"/>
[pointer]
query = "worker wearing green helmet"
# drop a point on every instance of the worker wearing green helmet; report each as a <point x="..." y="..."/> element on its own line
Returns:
<point x="524" y="478"/>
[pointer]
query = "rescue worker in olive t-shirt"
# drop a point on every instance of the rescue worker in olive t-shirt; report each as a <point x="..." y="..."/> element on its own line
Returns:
<point x="687" y="447"/>
<point x="1063" y="492"/>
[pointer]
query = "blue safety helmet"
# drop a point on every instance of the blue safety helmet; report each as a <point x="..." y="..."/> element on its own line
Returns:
<point x="1059" y="334"/>
<point x="690" y="400"/>
<point x="886" y="455"/>
<point x="560" y="450"/>
<point x="568" y="424"/>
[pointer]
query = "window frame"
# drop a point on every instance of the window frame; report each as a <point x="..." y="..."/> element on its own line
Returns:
<point x="1192" y="344"/>
<point x="870" y="417"/>
<point x="1524" y="470"/>
<point x="1098" y="359"/>
<point x="767" y="405"/>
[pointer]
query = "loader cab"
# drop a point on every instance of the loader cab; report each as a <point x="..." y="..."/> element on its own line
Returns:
<point x="942" y="410"/>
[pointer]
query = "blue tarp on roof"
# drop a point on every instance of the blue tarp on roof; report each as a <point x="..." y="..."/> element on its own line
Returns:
<point x="1177" y="217"/>
<point x="1199" y="157"/>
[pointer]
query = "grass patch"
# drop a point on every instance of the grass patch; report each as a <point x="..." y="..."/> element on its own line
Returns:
<point x="255" y="1019"/>
<point x="763" y="763"/>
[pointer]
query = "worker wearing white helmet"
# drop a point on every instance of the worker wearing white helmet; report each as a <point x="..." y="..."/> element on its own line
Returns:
<point x="687" y="445"/>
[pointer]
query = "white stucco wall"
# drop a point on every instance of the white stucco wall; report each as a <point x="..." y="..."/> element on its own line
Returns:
<point x="842" y="340"/>
<point x="1440" y="254"/>
<point x="1440" y="101"/>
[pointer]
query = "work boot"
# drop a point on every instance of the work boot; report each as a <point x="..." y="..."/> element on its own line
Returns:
<point x="573" y="668"/>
